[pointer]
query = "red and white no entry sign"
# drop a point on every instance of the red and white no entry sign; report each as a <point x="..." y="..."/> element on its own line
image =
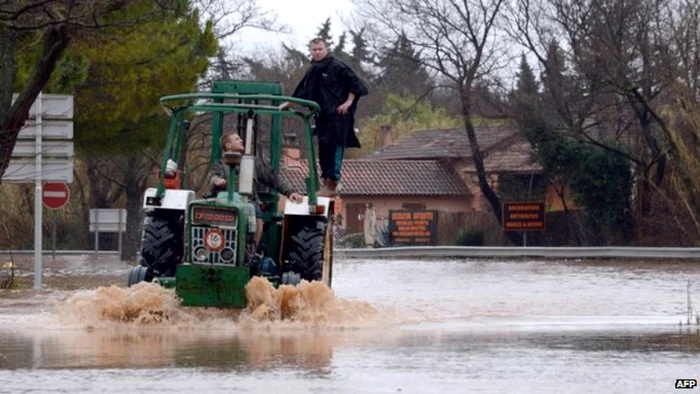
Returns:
<point x="55" y="195"/>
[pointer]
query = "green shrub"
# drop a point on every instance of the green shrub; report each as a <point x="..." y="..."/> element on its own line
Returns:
<point x="353" y="241"/>
<point x="7" y="280"/>
<point x="470" y="237"/>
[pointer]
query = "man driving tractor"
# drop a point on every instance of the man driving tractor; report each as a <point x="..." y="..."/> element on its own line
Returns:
<point x="232" y="142"/>
<point x="205" y="247"/>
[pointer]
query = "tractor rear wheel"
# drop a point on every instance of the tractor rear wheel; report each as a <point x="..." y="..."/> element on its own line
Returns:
<point x="306" y="252"/>
<point x="162" y="245"/>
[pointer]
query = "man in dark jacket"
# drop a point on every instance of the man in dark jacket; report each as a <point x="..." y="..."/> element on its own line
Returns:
<point x="218" y="175"/>
<point x="336" y="88"/>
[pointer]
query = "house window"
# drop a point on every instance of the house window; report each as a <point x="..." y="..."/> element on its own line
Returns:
<point x="413" y="206"/>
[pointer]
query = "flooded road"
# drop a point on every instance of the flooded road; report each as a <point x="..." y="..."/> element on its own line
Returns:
<point x="388" y="326"/>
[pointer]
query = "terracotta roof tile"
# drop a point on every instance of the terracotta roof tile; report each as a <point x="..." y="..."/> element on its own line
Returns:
<point x="395" y="177"/>
<point x="514" y="158"/>
<point x="452" y="143"/>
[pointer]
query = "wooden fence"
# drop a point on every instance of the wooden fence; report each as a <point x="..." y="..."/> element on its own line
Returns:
<point x="562" y="229"/>
<point x="451" y="224"/>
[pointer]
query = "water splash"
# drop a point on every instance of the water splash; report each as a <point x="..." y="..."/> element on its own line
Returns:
<point x="144" y="303"/>
<point x="310" y="303"/>
<point x="307" y="305"/>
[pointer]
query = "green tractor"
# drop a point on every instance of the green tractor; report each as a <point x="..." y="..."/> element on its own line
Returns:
<point x="202" y="246"/>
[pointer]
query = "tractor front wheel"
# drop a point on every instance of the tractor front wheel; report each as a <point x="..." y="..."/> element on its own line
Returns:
<point x="139" y="274"/>
<point x="162" y="245"/>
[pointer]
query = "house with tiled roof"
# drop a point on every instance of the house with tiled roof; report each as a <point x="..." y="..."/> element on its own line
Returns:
<point x="508" y="158"/>
<point x="386" y="185"/>
<point x="445" y="143"/>
<point x="410" y="178"/>
<point x="427" y="170"/>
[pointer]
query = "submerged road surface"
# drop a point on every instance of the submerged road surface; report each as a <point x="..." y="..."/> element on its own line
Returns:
<point x="388" y="326"/>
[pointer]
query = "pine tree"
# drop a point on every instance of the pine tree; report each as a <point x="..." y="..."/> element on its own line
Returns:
<point x="402" y="71"/>
<point x="324" y="32"/>
<point x="554" y="81"/>
<point x="359" y="53"/>
<point x="339" y="50"/>
<point x="527" y="84"/>
<point x="295" y="56"/>
<point x="525" y="98"/>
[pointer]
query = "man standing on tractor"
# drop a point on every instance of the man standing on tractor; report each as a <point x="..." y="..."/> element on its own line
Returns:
<point x="336" y="88"/>
<point x="232" y="142"/>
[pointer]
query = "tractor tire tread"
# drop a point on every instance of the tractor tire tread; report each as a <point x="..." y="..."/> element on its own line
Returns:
<point x="307" y="251"/>
<point x="161" y="245"/>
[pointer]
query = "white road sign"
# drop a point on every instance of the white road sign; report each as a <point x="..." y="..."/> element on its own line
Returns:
<point x="23" y="170"/>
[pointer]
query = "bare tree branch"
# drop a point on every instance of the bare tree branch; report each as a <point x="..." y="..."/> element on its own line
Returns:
<point x="458" y="40"/>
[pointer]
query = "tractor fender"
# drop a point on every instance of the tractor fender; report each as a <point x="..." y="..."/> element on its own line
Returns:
<point x="302" y="208"/>
<point x="174" y="199"/>
<point x="307" y="242"/>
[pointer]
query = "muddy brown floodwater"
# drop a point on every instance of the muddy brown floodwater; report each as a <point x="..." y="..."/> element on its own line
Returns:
<point x="387" y="326"/>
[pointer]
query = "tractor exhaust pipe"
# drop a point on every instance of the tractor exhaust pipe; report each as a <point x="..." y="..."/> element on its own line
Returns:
<point x="247" y="173"/>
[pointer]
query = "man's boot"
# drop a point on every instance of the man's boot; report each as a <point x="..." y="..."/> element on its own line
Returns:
<point x="332" y="187"/>
<point x="329" y="188"/>
<point x="325" y="190"/>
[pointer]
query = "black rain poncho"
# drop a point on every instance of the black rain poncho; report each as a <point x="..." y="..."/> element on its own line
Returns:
<point x="328" y="82"/>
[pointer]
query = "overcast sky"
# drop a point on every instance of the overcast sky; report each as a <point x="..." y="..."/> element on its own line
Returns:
<point x="303" y="17"/>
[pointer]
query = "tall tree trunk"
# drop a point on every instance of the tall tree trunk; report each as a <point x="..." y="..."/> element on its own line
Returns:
<point x="8" y="69"/>
<point x="135" y="184"/>
<point x="83" y="199"/>
<point x="134" y="218"/>
<point x="99" y="186"/>
<point x="477" y="157"/>
<point x="645" y="124"/>
<point x="99" y="195"/>
<point x="55" y="41"/>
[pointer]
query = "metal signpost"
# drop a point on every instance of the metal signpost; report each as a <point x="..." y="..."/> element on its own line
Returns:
<point x="107" y="221"/>
<point x="44" y="152"/>
<point x="55" y="196"/>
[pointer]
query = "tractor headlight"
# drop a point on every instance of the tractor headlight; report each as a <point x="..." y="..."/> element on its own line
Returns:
<point x="227" y="255"/>
<point x="201" y="254"/>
